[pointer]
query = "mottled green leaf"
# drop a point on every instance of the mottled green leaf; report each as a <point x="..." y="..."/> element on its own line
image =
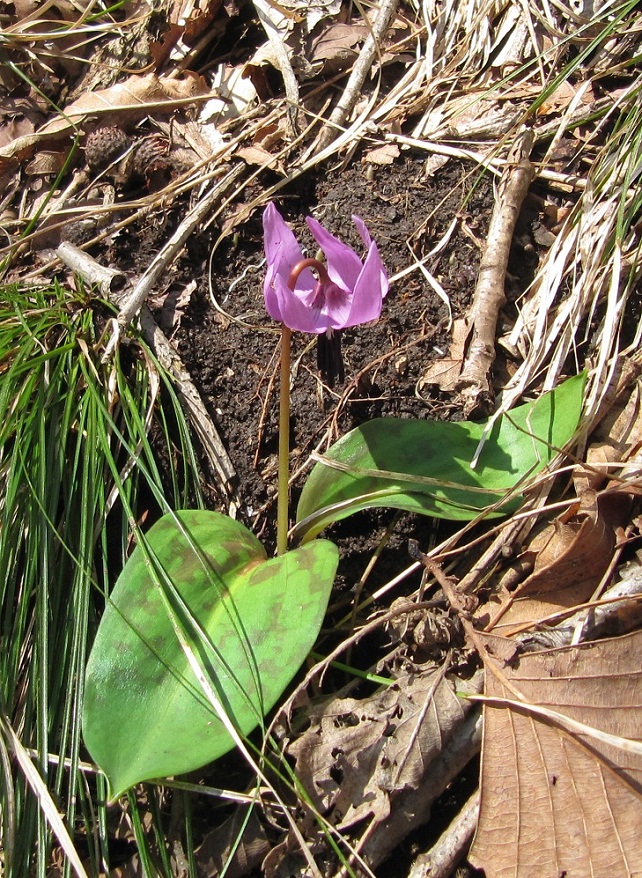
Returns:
<point x="145" y="715"/>
<point x="425" y="466"/>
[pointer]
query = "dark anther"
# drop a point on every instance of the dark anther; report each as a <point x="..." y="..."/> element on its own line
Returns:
<point x="329" y="358"/>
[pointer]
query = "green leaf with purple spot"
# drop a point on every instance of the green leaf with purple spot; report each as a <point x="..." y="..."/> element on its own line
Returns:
<point x="250" y="620"/>
<point x="425" y="466"/>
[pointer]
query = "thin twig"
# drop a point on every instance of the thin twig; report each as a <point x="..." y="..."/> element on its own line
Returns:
<point x="474" y="382"/>
<point x="158" y="266"/>
<point x="362" y="67"/>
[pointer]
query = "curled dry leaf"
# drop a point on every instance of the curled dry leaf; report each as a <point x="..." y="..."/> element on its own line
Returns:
<point x="256" y="155"/>
<point x="18" y="117"/>
<point x="563" y="96"/>
<point x="558" y="798"/>
<point x="570" y="551"/>
<point x="187" y="21"/>
<point x="336" y="47"/>
<point x="569" y="558"/>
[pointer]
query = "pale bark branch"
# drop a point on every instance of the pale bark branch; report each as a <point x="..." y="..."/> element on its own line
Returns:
<point x="452" y="845"/>
<point x="362" y="67"/>
<point x="131" y="304"/>
<point x="474" y="382"/>
<point x="106" y="279"/>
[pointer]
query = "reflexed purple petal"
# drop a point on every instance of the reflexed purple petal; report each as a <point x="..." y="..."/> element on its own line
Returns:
<point x="353" y="295"/>
<point x="367" y="240"/>
<point x="281" y="248"/>
<point x="269" y="293"/>
<point x="362" y="228"/>
<point x="369" y="291"/>
<point x="343" y="263"/>
<point x="282" y="254"/>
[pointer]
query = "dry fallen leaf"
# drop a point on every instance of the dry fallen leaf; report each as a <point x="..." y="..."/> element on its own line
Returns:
<point x="336" y="46"/>
<point x="562" y="97"/>
<point x="380" y="762"/>
<point x="556" y="800"/>
<point x="314" y="11"/>
<point x="256" y="155"/>
<point x="357" y="754"/>
<point x="382" y="155"/>
<point x="444" y="373"/>
<point x="569" y="557"/>
<point x="18" y="118"/>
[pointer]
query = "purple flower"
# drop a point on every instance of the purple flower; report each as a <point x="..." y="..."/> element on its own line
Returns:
<point x="344" y="294"/>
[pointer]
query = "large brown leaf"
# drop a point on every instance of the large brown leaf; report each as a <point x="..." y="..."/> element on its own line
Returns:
<point x="139" y="95"/>
<point x="557" y="799"/>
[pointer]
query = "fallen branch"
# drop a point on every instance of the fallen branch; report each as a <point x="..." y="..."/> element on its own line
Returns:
<point x="451" y="846"/>
<point x="362" y="67"/>
<point x="474" y="382"/>
<point x="133" y="302"/>
<point x="110" y="282"/>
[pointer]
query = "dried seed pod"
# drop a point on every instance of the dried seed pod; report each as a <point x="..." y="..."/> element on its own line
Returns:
<point x="105" y="145"/>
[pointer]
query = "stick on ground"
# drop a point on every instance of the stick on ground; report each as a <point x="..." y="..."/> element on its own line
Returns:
<point x="362" y="67"/>
<point x="474" y="384"/>
<point x="451" y="846"/>
<point x="94" y="273"/>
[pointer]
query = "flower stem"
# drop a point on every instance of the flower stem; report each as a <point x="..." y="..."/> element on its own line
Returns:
<point x="283" y="495"/>
<point x="283" y="478"/>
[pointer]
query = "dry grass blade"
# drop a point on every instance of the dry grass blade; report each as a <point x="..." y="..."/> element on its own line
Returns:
<point x="595" y="254"/>
<point x="204" y="427"/>
<point x="41" y="791"/>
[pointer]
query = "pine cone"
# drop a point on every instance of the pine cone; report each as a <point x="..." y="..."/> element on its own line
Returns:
<point x="150" y="155"/>
<point x="105" y="145"/>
